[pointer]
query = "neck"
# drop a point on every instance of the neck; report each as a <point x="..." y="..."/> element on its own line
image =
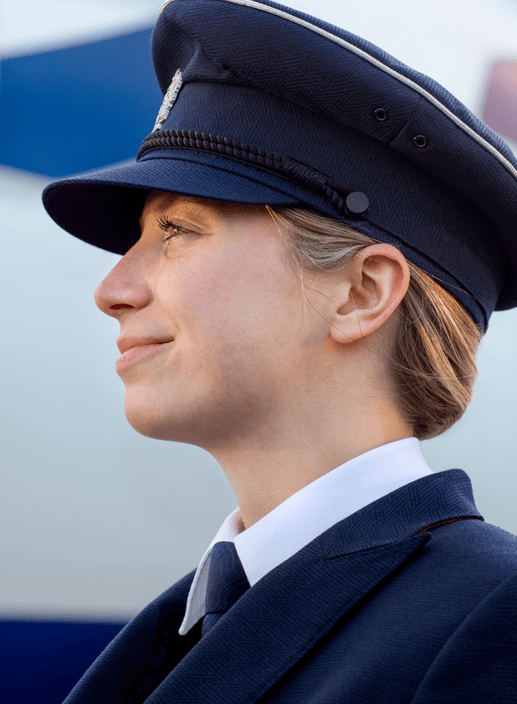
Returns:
<point x="281" y="456"/>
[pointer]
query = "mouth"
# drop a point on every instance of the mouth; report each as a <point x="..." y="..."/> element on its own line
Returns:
<point x="126" y="343"/>
<point x="138" y="353"/>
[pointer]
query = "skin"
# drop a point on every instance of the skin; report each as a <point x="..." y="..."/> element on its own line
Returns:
<point x="280" y="386"/>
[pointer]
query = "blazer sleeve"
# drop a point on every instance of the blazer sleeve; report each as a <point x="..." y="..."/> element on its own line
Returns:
<point x="478" y="663"/>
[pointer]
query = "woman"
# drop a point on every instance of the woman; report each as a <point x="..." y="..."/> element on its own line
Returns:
<point x="314" y="239"/>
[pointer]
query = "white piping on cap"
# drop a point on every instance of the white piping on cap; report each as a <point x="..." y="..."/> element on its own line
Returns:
<point x="399" y="77"/>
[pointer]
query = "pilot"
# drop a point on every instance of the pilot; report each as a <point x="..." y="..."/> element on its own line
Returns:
<point x="313" y="238"/>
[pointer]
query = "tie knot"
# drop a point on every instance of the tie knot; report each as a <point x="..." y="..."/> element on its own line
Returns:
<point x="227" y="581"/>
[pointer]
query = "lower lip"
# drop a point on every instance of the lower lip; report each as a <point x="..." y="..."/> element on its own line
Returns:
<point x="137" y="354"/>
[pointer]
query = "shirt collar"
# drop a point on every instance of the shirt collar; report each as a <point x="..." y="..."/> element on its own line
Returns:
<point x="196" y="602"/>
<point x="308" y="513"/>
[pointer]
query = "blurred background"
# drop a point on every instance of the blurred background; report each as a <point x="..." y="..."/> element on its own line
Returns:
<point x="95" y="519"/>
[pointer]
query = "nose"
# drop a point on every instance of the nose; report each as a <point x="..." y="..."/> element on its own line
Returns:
<point x="125" y="287"/>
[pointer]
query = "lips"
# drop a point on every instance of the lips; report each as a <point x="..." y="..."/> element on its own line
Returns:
<point x="139" y="350"/>
<point x="127" y="343"/>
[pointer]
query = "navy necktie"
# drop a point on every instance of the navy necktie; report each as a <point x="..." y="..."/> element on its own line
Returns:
<point x="227" y="581"/>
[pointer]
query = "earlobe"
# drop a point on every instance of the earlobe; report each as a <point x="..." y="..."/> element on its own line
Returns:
<point x="372" y="288"/>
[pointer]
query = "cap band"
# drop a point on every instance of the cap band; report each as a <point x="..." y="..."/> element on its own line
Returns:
<point x="355" y="203"/>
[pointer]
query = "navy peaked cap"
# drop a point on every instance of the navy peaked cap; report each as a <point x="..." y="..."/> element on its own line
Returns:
<point x="264" y="104"/>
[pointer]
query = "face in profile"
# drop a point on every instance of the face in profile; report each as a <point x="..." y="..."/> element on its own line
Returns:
<point x="208" y="281"/>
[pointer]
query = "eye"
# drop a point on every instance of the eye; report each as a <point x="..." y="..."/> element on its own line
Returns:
<point x="167" y="225"/>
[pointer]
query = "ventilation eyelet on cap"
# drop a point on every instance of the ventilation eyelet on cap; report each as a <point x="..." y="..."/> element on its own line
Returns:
<point x="357" y="202"/>
<point x="381" y="114"/>
<point x="420" y="140"/>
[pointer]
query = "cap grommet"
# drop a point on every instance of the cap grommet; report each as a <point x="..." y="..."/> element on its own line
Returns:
<point x="420" y="140"/>
<point x="357" y="202"/>
<point x="381" y="114"/>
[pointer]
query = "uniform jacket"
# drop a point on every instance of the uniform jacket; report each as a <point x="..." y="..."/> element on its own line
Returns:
<point x="412" y="599"/>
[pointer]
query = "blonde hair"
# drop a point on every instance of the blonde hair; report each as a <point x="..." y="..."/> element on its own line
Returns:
<point x="432" y="364"/>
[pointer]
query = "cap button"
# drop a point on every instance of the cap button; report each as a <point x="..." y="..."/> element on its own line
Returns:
<point x="357" y="202"/>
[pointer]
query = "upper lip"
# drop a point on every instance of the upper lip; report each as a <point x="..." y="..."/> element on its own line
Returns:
<point x="126" y="343"/>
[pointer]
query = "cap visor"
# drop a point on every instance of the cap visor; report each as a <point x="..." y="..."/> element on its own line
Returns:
<point x="103" y="207"/>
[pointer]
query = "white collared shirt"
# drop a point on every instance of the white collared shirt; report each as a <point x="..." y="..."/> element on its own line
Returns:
<point x="308" y="513"/>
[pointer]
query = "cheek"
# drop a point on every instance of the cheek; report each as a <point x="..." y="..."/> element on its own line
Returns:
<point x="240" y="294"/>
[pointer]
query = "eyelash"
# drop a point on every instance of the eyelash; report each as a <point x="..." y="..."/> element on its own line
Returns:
<point x="165" y="224"/>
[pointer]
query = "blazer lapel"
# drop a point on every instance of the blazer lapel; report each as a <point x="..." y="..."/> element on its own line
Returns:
<point x="129" y="654"/>
<point x="277" y="622"/>
<point x="286" y="613"/>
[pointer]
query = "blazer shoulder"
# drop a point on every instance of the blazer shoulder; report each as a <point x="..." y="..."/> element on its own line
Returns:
<point x="478" y="661"/>
<point x="481" y="551"/>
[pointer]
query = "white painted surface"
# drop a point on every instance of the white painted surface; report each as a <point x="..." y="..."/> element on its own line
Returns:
<point x="41" y="25"/>
<point x="97" y="519"/>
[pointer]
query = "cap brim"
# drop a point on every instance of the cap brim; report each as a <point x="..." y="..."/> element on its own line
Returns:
<point x="103" y="207"/>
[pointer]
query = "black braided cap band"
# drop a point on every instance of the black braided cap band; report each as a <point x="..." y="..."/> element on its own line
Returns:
<point x="355" y="203"/>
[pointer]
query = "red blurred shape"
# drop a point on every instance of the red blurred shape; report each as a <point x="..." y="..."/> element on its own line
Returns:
<point x="500" y="111"/>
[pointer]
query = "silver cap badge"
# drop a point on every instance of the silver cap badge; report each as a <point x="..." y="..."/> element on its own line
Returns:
<point x="169" y="99"/>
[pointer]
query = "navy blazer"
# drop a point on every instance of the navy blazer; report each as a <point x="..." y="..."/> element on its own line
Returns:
<point x="411" y="599"/>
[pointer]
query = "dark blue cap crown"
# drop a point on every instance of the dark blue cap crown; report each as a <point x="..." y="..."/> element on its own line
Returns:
<point x="264" y="104"/>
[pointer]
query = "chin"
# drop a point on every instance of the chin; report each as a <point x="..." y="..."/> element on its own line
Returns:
<point x="150" y="422"/>
<point x="148" y="429"/>
<point x="201" y="420"/>
<point x="160" y="423"/>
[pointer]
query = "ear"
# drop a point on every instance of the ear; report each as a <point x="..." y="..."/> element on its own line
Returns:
<point x="367" y="292"/>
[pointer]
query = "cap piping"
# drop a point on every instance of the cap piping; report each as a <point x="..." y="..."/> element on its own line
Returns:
<point x="363" y="54"/>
